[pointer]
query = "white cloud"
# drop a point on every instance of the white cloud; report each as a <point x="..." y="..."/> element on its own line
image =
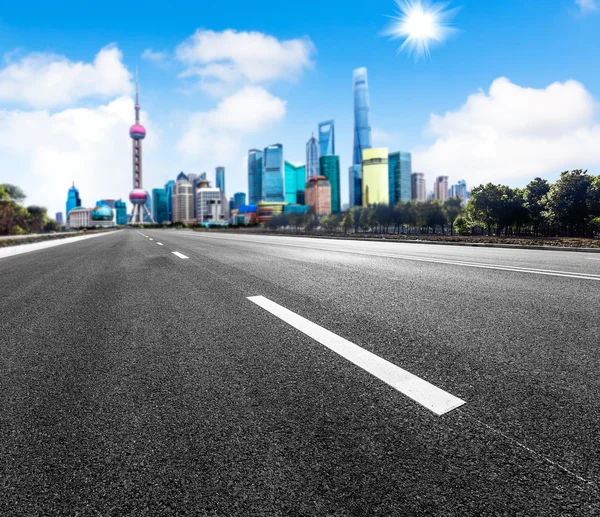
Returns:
<point x="47" y="80"/>
<point x="587" y="6"/>
<point x="227" y="58"/>
<point x="158" y="58"/>
<point x="512" y="134"/>
<point x="383" y="138"/>
<point x="44" y="153"/>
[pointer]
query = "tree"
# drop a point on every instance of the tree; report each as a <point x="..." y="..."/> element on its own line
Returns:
<point x="348" y="221"/>
<point x="15" y="193"/>
<point x="36" y="218"/>
<point x="453" y="207"/>
<point x="534" y="202"/>
<point x="485" y="205"/>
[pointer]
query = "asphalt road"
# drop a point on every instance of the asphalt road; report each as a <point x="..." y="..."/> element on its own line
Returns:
<point x="136" y="382"/>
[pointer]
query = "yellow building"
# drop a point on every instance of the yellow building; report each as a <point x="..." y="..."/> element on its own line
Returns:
<point x="375" y="176"/>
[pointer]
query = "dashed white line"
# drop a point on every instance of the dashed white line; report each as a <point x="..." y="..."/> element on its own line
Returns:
<point x="180" y="255"/>
<point x="159" y="243"/>
<point x="433" y="398"/>
<point x="590" y="258"/>
<point x="151" y="239"/>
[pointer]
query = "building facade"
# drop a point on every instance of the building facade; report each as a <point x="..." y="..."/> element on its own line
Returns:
<point x="73" y="200"/>
<point x="160" y="209"/>
<point x="239" y="199"/>
<point x="210" y="205"/>
<point x="272" y="174"/>
<point x="121" y="212"/>
<point x="255" y="159"/>
<point x="326" y="138"/>
<point x="220" y="178"/>
<point x="400" y="170"/>
<point x="330" y="168"/>
<point x="312" y="157"/>
<point x="355" y="185"/>
<point x="59" y="217"/>
<point x="362" y="116"/>
<point x="459" y="190"/>
<point x="375" y="177"/>
<point x="440" y="188"/>
<point x="295" y="182"/>
<point x="318" y="195"/>
<point x="418" y="187"/>
<point x="80" y="217"/>
<point x="183" y="200"/>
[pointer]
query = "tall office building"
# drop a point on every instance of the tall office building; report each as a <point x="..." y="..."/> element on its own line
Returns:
<point x="459" y="190"/>
<point x="295" y="183"/>
<point x="312" y="157"/>
<point x="169" y="190"/>
<point x="160" y="211"/>
<point x="418" y="187"/>
<point x="239" y="199"/>
<point x="272" y="174"/>
<point x="326" y="138"/>
<point x="121" y="212"/>
<point x="220" y="175"/>
<point x="330" y="168"/>
<point x="183" y="200"/>
<point x="73" y="200"/>
<point x="362" y="117"/>
<point x="318" y="195"/>
<point x="255" y="159"/>
<point x="375" y="180"/>
<point x="355" y="184"/>
<point x="400" y="170"/>
<point x="440" y="188"/>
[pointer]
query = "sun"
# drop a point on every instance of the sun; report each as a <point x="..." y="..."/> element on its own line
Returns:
<point x="420" y="24"/>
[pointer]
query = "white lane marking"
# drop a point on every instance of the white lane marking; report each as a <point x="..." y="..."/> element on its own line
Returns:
<point x="433" y="398"/>
<point x="151" y="239"/>
<point x="180" y="255"/>
<point x="590" y="258"/>
<point x="159" y="243"/>
<point x="499" y="267"/>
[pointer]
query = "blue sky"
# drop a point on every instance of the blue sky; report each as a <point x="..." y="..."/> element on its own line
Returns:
<point x="521" y="128"/>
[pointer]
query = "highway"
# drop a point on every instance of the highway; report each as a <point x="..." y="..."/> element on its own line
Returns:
<point x="164" y="372"/>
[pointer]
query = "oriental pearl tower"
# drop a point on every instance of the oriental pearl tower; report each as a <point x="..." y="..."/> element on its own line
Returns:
<point x="137" y="196"/>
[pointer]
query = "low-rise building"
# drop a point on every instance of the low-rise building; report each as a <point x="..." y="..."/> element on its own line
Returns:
<point x="318" y="195"/>
<point x="80" y="217"/>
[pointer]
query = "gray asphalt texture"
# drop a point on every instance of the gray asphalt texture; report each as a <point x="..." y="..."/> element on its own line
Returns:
<point x="133" y="382"/>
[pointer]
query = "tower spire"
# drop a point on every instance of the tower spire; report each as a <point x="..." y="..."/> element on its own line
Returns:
<point x="137" y="98"/>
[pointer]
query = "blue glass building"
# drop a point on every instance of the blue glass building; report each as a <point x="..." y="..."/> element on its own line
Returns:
<point x="326" y="138"/>
<point x="221" y="179"/>
<point x="255" y="164"/>
<point x="295" y="183"/>
<point x="73" y="200"/>
<point x="330" y="168"/>
<point x="272" y="174"/>
<point x="159" y="205"/>
<point x="362" y="117"/>
<point x="169" y="190"/>
<point x="312" y="158"/>
<point x="400" y="171"/>
<point x="121" y="210"/>
<point x="355" y="185"/>
<point x="239" y="199"/>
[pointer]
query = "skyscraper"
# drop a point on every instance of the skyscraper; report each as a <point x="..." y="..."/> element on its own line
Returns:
<point x="169" y="190"/>
<point x="220" y="171"/>
<point x="326" y="138"/>
<point x="418" y="187"/>
<point x="137" y="196"/>
<point x="73" y="200"/>
<point x="400" y="170"/>
<point x="440" y="188"/>
<point x="459" y="190"/>
<point x="255" y="159"/>
<point x="272" y="174"/>
<point x="160" y="211"/>
<point x="121" y="210"/>
<point x="330" y="168"/>
<point x="312" y="157"/>
<point x="295" y="183"/>
<point x="375" y="182"/>
<point x="239" y="199"/>
<point x="183" y="202"/>
<point x="362" y="118"/>
<point x="355" y="184"/>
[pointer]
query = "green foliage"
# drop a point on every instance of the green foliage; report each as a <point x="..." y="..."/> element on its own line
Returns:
<point x="15" y="193"/>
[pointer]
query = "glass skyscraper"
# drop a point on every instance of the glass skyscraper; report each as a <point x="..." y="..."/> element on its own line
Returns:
<point x="121" y="210"/>
<point x="312" y="158"/>
<point x="326" y="138"/>
<point x="362" y="117"/>
<point x="295" y="184"/>
<point x="330" y="168"/>
<point x="355" y="184"/>
<point x="272" y="174"/>
<point x="169" y="190"/>
<point x="239" y="199"/>
<point x="73" y="200"/>
<point x="400" y="170"/>
<point x="221" y="178"/>
<point x="255" y="163"/>
<point x="159" y="205"/>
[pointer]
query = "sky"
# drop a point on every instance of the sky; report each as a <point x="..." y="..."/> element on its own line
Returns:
<point x="513" y="94"/>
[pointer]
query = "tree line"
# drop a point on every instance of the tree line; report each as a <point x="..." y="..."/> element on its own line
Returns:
<point x="16" y="219"/>
<point x="568" y="207"/>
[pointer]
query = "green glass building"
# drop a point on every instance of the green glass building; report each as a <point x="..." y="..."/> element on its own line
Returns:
<point x="330" y="168"/>
<point x="400" y="171"/>
<point x="160" y="207"/>
<point x="295" y="183"/>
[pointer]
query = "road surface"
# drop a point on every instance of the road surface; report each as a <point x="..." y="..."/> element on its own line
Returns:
<point x="183" y="373"/>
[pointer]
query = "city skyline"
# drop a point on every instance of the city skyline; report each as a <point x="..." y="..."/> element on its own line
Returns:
<point x="195" y="117"/>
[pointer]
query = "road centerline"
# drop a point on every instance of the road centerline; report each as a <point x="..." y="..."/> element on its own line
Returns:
<point x="431" y="397"/>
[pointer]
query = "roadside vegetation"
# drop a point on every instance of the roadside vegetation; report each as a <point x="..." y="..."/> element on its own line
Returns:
<point x="16" y="219"/>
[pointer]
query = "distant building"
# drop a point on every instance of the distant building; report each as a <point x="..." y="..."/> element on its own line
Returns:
<point x="295" y="181"/>
<point x="59" y="217"/>
<point x="375" y="176"/>
<point x="459" y="190"/>
<point x="266" y="210"/>
<point x="102" y="215"/>
<point x="440" y="188"/>
<point x="169" y="190"/>
<point x="296" y="209"/>
<point x="73" y="200"/>
<point x="255" y="159"/>
<point x="312" y="157"/>
<point x="272" y="174"/>
<point x="183" y="200"/>
<point x="121" y="218"/>
<point x="355" y="185"/>
<point x="240" y="199"/>
<point x="232" y="206"/>
<point x="400" y="170"/>
<point x="210" y="205"/>
<point x="326" y="138"/>
<point x="149" y="204"/>
<point x="418" y="187"/>
<point x="160" y="212"/>
<point x="80" y="217"/>
<point x="220" y="181"/>
<point x="318" y="195"/>
<point x="362" y="117"/>
<point x="330" y="168"/>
